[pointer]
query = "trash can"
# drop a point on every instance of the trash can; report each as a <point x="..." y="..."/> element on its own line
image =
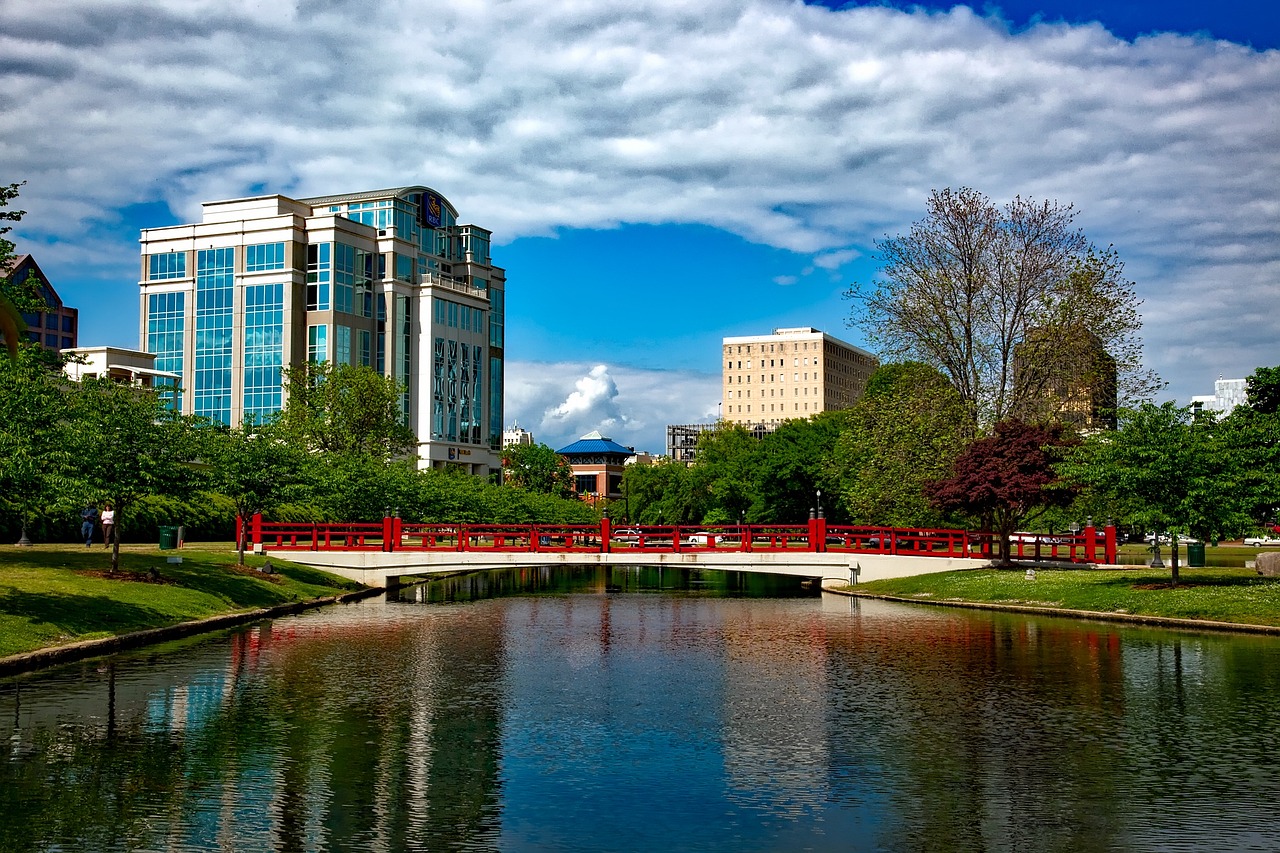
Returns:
<point x="168" y="538"/>
<point x="1195" y="555"/>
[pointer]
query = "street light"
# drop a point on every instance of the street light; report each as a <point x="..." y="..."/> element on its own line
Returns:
<point x="819" y="503"/>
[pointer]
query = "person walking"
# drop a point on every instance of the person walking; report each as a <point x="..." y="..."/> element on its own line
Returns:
<point x="108" y="524"/>
<point x="88" y="520"/>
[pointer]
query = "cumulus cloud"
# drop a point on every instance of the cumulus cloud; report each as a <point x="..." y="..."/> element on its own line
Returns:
<point x="560" y="402"/>
<point x="791" y="125"/>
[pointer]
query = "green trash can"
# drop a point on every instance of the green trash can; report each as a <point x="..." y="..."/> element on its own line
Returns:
<point x="168" y="538"/>
<point x="1195" y="555"/>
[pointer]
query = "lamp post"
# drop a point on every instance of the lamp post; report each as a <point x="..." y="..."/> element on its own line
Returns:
<point x="819" y="503"/>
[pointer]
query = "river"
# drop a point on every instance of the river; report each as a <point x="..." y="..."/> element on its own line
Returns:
<point x="638" y="710"/>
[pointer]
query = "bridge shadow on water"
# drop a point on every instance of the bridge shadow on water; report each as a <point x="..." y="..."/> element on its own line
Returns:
<point x="605" y="580"/>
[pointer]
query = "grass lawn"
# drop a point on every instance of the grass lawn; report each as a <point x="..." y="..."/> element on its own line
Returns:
<point x="1218" y="594"/>
<point x="56" y="594"/>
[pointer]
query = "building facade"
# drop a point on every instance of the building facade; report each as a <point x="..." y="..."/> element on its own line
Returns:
<point x="791" y="373"/>
<point x="1227" y="394"/>
<point x="598" y="463"/>
<point x="517" y="436"/>
<point x="386" y="279"/>
<point x="57" y="326"/>
<point x="128" y="366"/>
<point x="1065" y="375"/>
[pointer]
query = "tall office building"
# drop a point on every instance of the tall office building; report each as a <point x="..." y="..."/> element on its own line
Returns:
<point x="791" y="373"/>
<point x="387" y="279"/>
<point x="57" y="326"/>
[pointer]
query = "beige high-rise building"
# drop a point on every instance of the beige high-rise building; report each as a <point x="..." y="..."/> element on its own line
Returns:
<point x="791" y="373"/>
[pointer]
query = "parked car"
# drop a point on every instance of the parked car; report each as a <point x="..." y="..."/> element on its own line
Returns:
<point x="1165" y="539"/>
<point x="705" y="538"/>
<point x="1262" y="541"/>
<point x="625" y="535"/>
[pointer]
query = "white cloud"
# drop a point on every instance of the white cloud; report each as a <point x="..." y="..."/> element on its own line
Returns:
<point x="560" y="402"/>
<point x="785" y="280"/>
<point x="796" y="126"/>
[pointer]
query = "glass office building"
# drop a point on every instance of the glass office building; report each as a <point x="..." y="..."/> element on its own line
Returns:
<point x="386" y="279"/>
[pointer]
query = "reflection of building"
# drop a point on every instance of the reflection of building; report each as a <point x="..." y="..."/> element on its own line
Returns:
<point x="1065" y="375"/>
<point x="516" y="436"/>
<point x="57" y="327"/>
<point x="386" y="279"/>
<point x="792" y="373"/>
<point x="597" y="463"/>
<point x="1227" y="394"/>
<point x="119" y="365"/>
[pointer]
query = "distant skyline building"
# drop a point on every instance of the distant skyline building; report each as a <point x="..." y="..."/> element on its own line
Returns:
<point x="1227" y="394"/>
<point x="790" y="373"/>
<point x="1065" y="377"/>
<point x="386" y="279"/>
<point x="118" y="364"/>
<point x="516" y="436"/>
<point x="57" y="326"/>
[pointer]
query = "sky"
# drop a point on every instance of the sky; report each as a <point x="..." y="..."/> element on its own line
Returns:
<point x="660" y="174"/>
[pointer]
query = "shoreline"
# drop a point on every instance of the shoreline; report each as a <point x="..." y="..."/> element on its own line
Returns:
<point x="1063" y="612"/>
<point x="25" y="662"/>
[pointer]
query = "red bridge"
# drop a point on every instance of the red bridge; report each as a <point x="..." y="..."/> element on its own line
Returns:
<point x="395" y="535"/>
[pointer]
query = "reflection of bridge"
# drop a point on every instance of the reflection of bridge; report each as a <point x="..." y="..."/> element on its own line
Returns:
<point x="373" y="553"/>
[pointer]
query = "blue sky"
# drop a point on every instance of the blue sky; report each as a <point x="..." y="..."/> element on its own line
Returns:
<point x="660" y="174"/>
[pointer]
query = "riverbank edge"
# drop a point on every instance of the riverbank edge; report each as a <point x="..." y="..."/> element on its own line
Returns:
<point x="82" y="649"/>
<point x="1095" y="615"/>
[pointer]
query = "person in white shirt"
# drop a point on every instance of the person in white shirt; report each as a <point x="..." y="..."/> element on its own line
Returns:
<point x="108" y="524"/>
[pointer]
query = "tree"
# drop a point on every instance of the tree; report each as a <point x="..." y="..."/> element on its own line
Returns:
<point x="793" y="465"/>
<point x="345" y="409"/>
<point x="537" y="468"/>
<point x="1169" y="468"/>
<point x="1250" y="435"/>
<point x="727" y="460"/>
<point x="1007" y="478"/>
<point x="33" y="454"/>
<point x="13" y="301"/>
<point x="126" y="443"/>
<point x="906" y="431"/>
<point x="253" y="466"/>
<point x="972" y="285"/>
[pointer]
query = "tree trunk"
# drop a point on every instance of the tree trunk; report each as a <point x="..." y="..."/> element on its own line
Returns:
<point x="1173" y="558"/>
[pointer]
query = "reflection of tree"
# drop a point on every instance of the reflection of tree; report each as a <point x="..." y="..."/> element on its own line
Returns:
<point x="973" y="728"/>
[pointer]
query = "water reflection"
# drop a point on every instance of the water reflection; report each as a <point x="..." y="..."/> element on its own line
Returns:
<point x="641" y="710"/>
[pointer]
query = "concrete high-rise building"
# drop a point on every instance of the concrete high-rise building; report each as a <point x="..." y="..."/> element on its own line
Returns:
<point x="387" y="279"/>
<point x="1065" y="375"/>
<point x="1227" y="394"/>
<point x="791" y="373"/>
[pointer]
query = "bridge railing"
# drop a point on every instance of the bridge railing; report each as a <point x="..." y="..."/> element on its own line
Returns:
<point x="395" y="534"/>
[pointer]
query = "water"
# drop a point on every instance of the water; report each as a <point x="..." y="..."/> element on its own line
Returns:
<point x="638" y="711"/>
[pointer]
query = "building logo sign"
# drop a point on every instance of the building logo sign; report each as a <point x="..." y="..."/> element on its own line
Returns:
<point x="429" y="210"/>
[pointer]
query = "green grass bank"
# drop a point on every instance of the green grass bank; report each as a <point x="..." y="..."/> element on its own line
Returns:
<point x="54" y="595"/>
<point x="1215" y="594"/>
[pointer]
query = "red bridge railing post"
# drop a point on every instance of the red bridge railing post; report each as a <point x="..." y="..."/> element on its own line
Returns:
<point x="1090" y="541"/>
<point x="257" y="532"/>
<point x="386" y="533"/>
<point x="1109" y="546"/>
<point x="606" y="533"/>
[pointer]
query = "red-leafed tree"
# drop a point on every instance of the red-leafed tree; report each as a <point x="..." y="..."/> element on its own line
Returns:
<point x="1007" y="478"/>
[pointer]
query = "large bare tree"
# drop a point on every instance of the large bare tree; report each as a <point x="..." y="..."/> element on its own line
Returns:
<point x="1013" y="304"/>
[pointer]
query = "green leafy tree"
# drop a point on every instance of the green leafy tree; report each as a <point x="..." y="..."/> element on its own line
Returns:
<point x="127" y="444"/>
<point x="1007" y="478"/>
<point x="253" y="466"/>
<point x="971" y="283"/>
<point x="727" y="460"/>
<point x="345" y="409"/>
<point x="537" y="468"/>
<point x="1168" y="470"/>
<point x="906" y="431"/>
<point x="14" y="299"/>
<point x="793" y="465"/>
<point x="33" y="418"/>
<point x="1250" y="437"/>
<point x="667" y="492"/>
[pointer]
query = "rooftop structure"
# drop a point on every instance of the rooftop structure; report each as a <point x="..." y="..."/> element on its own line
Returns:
<point x="57" y="326"/>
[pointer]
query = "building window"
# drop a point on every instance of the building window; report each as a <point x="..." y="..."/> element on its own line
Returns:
<point x="167" y="266"/>
<point x="263" y="257"/>
<point x="215" y="295"/>
<point x="318" y="343"/>
<point x="344" y="278"/>
<point x="366" y="347"/>
<point x="166" y="322"/>
<point x="319" y="276"/>
<point x="263" y="348"/>
<point x="342" y="345"/>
